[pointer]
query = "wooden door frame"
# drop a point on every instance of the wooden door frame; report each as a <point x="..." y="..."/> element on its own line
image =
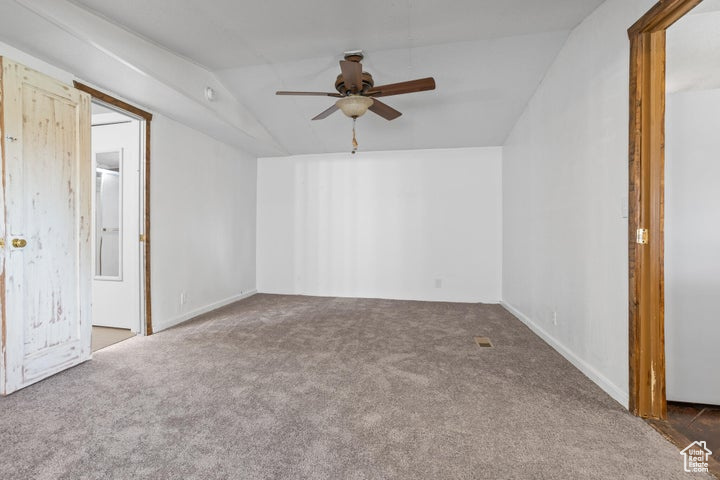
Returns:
<point x="646" y="202"/>
<point x="147" y="117"/>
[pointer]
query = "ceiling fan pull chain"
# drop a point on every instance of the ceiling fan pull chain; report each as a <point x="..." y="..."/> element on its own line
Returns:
<point x="354" y="141"/>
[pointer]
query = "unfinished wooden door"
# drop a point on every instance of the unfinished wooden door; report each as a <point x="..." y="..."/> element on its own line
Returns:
<point x="46" y="267"/>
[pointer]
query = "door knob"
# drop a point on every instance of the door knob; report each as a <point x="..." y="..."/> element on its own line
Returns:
<point x="19" y="242"/>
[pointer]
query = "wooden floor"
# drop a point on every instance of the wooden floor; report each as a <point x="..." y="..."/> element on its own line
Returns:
<point x="687" y="423"/>
<point x="105" y="336"/>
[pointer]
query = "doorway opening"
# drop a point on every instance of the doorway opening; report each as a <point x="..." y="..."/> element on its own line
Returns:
<point x="120" y="154"/>
<point x="692" y="260"/>
<point x="670" y="325"/>
<point x="116" y="292"/>
<point x="646" y="239"/>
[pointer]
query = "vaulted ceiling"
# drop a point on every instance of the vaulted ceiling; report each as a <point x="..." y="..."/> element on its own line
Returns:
<point x="227" y="33"/>
<point x="487" y="58"/>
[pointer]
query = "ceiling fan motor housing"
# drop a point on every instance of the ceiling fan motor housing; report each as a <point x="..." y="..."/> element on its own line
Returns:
<point x="367" y="84"/>
<point x="357" y="92"/>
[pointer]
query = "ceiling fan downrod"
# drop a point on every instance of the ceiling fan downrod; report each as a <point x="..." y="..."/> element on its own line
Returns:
<point x="354" y="140"/>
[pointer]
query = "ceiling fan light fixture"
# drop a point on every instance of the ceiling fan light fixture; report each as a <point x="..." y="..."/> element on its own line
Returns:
<point x="354" y="105"/>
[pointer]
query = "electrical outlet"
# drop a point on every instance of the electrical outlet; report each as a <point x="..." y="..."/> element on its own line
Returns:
<point x="183" y="299"/>
<point x="555" y="318"/>
<point x="438" y="283"/>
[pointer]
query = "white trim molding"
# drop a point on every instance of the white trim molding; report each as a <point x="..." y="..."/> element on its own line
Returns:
<point x="199" y="311"/>
<point x="617" y="393"/>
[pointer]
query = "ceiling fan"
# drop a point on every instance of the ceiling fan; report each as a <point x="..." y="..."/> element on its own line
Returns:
<point x="357" y="92"/>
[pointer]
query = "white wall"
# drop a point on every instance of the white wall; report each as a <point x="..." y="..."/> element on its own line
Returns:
<point x="564" y="180"/>
<point x="692" y="246"/>
<point x="382" y="224"/>
<point x="203" y="215"/>
<point x="203" y="222"/>
<point x="36" y="64"/>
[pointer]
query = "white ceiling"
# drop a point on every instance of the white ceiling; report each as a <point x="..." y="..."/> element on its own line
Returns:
<point x="482" y="88"/>
<point x="693" y="50"/>
<point x="228" y="33"/>
<point x="98" y="109"/>
<point x="487" y="56"/>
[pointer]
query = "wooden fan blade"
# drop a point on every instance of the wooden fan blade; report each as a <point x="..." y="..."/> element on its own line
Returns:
<point x="352" y="75"/>
<point x="326" y="113"/>
<point x="314" y="94"/>
<point x="385" y="111"/>
<point x="412" y="86"/>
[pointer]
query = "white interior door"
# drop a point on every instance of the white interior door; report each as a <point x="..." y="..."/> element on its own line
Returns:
<point x="47" y="227"/>
<point x="116" y="286"/>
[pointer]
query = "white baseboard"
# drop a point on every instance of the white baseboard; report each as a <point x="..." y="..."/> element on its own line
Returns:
<point x="618" y="394"/>
<point x="199" y="311"/>
<point x="380" y="296"/>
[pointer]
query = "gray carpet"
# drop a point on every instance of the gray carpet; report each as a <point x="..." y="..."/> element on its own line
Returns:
<point x="278" y="387"/>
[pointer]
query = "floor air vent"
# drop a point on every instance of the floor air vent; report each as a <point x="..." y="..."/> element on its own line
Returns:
<point x="483" y="342"/>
